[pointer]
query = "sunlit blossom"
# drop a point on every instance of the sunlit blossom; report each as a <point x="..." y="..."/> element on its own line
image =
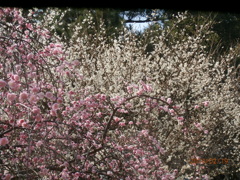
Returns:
<point x="11" y="97"/>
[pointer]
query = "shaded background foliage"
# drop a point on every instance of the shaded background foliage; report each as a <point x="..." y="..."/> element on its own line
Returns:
<point x="226" y="24"/>
<point x="225" y="29"/>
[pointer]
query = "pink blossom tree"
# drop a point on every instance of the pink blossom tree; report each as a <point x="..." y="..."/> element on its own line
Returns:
<point x="49" y="130"/>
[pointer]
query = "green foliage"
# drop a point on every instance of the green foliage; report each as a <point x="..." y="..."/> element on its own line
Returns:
<point x="228" y="28"/>
<point x="109" y="18"/>
<point x="225" y="26"/>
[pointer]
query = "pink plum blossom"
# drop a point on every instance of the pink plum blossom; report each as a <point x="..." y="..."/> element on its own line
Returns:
<point x="122" y="124"/>
<point x="53" y="113"/>
<point x="55" y="106"/>
<point x="2" y="83"/>
<point x="49" y="95"/>
<point x="169" y="100"/>
<point x="29" y="26"/>
<point x="40" y="95"/>
<point x="196" y="106"/>
<point x="103" y="97"/>
<point x="20" y="122"/>
<point x="140" y="92"/>
<point x="206" y="103"/>
<point x="205" y="177"/>
<point x="146" y="87"/>
<point x="3" y="141"/>
<point x="172" y="112"/>
<point x="205" y="131"/>
<point x="180" y="118"/>
<point x="138" y="152"/>
<point x="163" y="98"/>
<point x="35" y="110"/>
<point x="23" y="96"/>
<point x="144" y="132"/>
<point x="8" y="177"/>
<point x="14" y="85"/>
<point x="29" y="56"/>
<point x="11" y="97"/>
<point x="76" y="62"/>
<point x="33" y="99"/>
<point x="129" y="89"/>
<point x="35" y="89"/>
<point x="99" y="114"/>
<point x="38" y="117"/>
<point x="57" y="50"/>
<point x="130" y="122"/>
<point x="59" y="100"/>
<point x="39" y="143"/>
<point x="16" y="77"/>
<point x="198" y="125"/>
<point x="116" y="119"/>
<point x="25" y="125"/>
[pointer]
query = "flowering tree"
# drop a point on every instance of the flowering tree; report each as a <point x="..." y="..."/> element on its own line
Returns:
<point x="202" y="84"/>
<point x="98" y="109"/>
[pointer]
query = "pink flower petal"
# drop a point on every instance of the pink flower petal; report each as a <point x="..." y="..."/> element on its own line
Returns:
<point x="3" y="141"/>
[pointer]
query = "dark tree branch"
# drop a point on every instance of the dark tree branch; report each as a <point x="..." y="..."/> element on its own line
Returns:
<point x="109" y="123"/>
<point x="5" y="132"/>
<point x="137" y="21"/>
